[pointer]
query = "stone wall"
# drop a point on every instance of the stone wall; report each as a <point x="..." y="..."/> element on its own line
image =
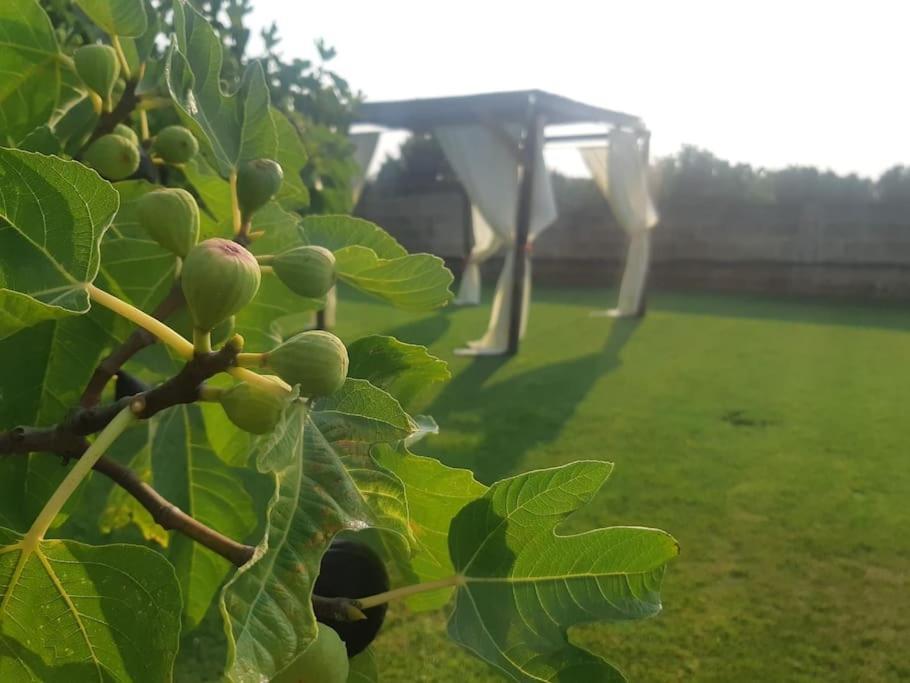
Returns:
<point x="849" y="251"/>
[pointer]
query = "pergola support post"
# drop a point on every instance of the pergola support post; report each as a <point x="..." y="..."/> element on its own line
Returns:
<point x="523" y="223"/>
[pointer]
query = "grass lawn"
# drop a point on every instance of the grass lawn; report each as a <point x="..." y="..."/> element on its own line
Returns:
<point x="770" y="437"/>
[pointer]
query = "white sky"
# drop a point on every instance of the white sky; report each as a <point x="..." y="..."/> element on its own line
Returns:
<point x="767" y="82"/>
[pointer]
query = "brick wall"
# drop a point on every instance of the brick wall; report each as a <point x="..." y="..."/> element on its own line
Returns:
<point x="849" y="251"/>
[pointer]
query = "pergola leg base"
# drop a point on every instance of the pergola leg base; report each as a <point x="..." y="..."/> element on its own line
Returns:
<point x="471" y="351"/>
<point x="616" y="313"/>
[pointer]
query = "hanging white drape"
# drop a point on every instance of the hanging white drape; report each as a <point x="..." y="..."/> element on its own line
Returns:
<point x="487" y="165"/>
<point x="364" y="149"/>
<point x="622" y="176"/>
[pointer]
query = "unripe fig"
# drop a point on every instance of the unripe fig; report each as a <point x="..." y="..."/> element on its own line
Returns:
<point x="170" y="216"/>
<point x="219" y="278"/>
<point x="316" y="360"/>
<point x="307" y="271"/>
<point x="98" y="67"/>
<point x="353" y="570"/>
<point x="257" y="183"/>
<point x="324" y="661"/>
<point x="175" y="145"/>
<point x="253" y="410"/>
<point x="113" y="156"/>
<point x="126" y="132"/>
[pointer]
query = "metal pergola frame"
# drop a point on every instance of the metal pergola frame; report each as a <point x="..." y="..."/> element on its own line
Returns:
<point x="531" y="109"/>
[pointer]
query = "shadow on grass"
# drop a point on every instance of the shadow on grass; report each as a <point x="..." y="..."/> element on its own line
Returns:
<point x="514" y="416"/>
<point x="424" y="331"/>
<point x="800" y="310"/>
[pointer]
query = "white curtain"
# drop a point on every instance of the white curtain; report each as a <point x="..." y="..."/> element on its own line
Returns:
<point x="364" y="149"/>
<point x="622" y="176"/>
<point x="488" y="167"/>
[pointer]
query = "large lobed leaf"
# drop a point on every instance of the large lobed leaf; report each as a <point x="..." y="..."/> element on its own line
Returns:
<point x="231" y="128"/>
<point x="42" y="372"/>
<point x="29" y="68"/>
<point x="117" y="17"/>
<point x="522" y="585"/>
<point x="369" y="259"/>
<point x="337" y="232"/>
<point x="403" y="370"/>
<point x="354" y="419"/>
<point x="292" y="156"/>
<point x="266" y="605"/>
<point x="192" y="477"/>
<point x="363" y="668"/>
<point x="53" y="214"/>
<point x="435" y="494"/>
<point x="73" y="612"/>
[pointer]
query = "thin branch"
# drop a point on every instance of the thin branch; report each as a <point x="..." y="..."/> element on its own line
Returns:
<point x="121" y="112"/>
<point x="68" y="440"/>
<point x="172" y="518"/>
<point x="68" y="437"/>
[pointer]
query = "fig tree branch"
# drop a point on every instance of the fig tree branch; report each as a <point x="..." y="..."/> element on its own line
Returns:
<point x="120" y="113"/>
<point x="170" y="517"/>
<point x="68" y="439"/>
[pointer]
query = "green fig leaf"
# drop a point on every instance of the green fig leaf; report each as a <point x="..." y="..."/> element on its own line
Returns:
<point x="292" y="156"/>
<point x="43" y="140"/>
<point x="231" y="128"/>
<point x="353" y="419"/>
<point x="364" y="413"/>
<point x="403" y="370"/>
<point x="192" y="477"/>
<point x="416" y="282"/>
<point x="363" y="668"/>
<point x="140" y="47"/>
<point x="522" y="585"/>
<point x="435" y="495"/>
<point x="74" y="612"/>
<point x="337" y="232"/>
<point x="30" y="62"/>
<point x="45" y="368"/>
<point x="133" y="449"/>
<point x="214" y="195"/>
<point x="266" y="605"/>
<point x="117" y="17"/>
<point x="75" y="124"/>
<point x="53" y="214"/>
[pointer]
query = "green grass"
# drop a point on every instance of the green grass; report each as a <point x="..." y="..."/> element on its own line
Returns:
<point x="770" y="437"/>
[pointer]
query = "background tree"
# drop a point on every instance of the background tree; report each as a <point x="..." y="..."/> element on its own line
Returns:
<point x="315" y="98"/>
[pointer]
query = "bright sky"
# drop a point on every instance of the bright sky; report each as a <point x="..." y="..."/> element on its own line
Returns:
<point x="770" y="82"/>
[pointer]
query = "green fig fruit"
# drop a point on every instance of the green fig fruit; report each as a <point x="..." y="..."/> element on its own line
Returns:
<point x="113" y="156"/>
<point x="324" y="661"/>
<point x="98" y="67"/>
<point x="257" y="182"/>
<point x="252" y="409"/>
<point x="219" y="278"/>
<point x="307" y="271"/>
<point x="125" y="131"/>
<point x="316" y="360"/>
<point x="175" y="145"/>
<point x="170" y="216"/>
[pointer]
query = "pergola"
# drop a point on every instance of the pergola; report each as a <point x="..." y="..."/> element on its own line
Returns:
<point x="517" y="119"/>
